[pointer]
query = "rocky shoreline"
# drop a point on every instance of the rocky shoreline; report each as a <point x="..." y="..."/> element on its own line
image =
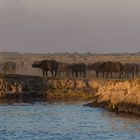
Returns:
<point x="116" y="95"/>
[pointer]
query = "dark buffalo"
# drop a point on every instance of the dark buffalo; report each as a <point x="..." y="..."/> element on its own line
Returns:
<point x="138" y="69"/>
<point x="131" y="68"/>
<point x="110" y="68"/>
<point x="96" y="67"/>
<point x="79" y="68"/>
<point x="63" y="68"/>
<point x="47" y="65"/>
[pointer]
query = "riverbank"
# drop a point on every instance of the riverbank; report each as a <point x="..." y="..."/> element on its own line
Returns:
<point x="72" y="88"/>
<point x="19" y="86"/>
<point x="119" y="96"/>
<point x="116" y="95"/>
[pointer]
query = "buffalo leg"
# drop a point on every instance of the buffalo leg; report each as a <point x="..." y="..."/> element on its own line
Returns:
<point x="84" y="73"/>
<point x="120" y="75"/>
<point x="43" y="72"/>
<point x="72" y="73"/>
<point x="76" y="74"/>
<point x="111" y="74"/>
<point x="52" y="73"/>
<point x="46" y="73"/>
<point x="103" y="75"/>
<point x="106" y="74"/>
<point x="97" y="74"/>
<point x="80" y="74"/>
<point x="55" y="73"/>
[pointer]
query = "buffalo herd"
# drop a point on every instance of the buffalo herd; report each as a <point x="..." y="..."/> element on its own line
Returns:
<point x="107" y="69"/>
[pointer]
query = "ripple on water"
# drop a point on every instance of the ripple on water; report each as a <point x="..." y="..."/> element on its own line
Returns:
<point x="43" y="120"/>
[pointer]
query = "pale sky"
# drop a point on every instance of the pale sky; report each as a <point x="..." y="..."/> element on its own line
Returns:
<point x="44" y="26"/>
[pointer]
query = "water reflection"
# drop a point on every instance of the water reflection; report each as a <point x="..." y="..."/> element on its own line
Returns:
<point x="14" y="101"/>
<point x="123" y="121"/>
<point x="20" y="101"/>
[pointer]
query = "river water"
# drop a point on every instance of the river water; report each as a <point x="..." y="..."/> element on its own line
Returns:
<point x="41" y="120"/>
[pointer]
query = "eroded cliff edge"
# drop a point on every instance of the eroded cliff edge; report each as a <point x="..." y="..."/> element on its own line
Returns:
<point x="18" y="86"/>
<point x="116" y="95"/>
<point x="119" y="96"/>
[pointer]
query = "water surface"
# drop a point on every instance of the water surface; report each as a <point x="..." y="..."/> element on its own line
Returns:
<point x="41" y="120"/>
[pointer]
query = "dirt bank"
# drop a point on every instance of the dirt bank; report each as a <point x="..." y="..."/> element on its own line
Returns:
<point x="34" y="86"/>
<point x="119" y="96"/>
<point x="20" y="85"/>
<point x="116" y="95"/>
<point x="17" y="86"/>
<point x="73" y="88"/>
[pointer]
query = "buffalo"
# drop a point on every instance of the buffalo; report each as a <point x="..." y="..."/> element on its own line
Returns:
<point x="130" y="68"/>
<point x="47" y="65"/>
<point x="63" y="68"/>
<point x="78" y="68"/>
<point x="110" y="68"/>
<point x="96" y="67"/>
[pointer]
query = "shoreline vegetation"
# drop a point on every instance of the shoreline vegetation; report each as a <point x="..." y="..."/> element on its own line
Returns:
<point x="119" y="95"/>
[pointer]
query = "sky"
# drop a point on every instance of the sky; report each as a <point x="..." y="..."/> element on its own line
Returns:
<point x="47" y="26"/>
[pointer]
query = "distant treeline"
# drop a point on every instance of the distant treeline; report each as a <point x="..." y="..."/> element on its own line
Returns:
<point x="6" y="53"/>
